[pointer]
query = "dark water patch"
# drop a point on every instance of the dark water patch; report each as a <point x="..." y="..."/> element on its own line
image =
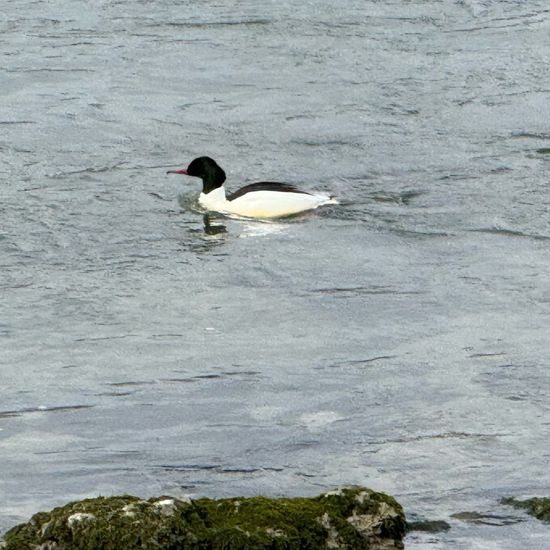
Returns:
<point x="175" y="122"/>
<point x="88" y="170"/>
<point x="160" y="197"/>
<point x="301" y="116"/>
<point x="23" y="150"/>
<point x="329" y="143"/>
<point x="62" y="408"/>
<point x="420" y="234"/>
<point x="193" y="486"/>
<point x="50" y="70"/>
<point x="501" y="170"/>
<point x="531" y="135"/>
<point x="57" y="452"/>
<point x="304" y="444"/>
<point x="488" y="354"/>
<point x="132" y="383"/>
<point x="347" y="211"/>
<point x="176" y="380"/>
<point x="244" y="425"/>
<point x="456" y="177"/>
<point x="369" y="360"/>
<point x="102" y="468"/>
<point x="248" y="470"/>
<point x="421" y="19"/>
<point x="510" y="233"/>
<point x="199" y="41"/>
<point x="189" y="379"/>
<point x="53" y="39"/>
<point x="213" y="24"/>
<point x="114" y="394"/>
<point x="187" y="467"/>
<point x="166" y="335"/>
<point x="361" y="177"/>
<point x="490" y="27"/>
<point x="72" y="44"/>
<point x="395" y="108"/>
<point x="486" y="518"/>
<point x="242" y="373"/>
<point x="205" y="246"/>
<point x="9" y="122"/>
<point x="445" y="435"/>
<point x="372" y="290"/>
<point x="115" y="453"/>
<point x="217" y="468"/>
<point x="305" y="474"/>
<point x="405" y="197"/>
<point x="102" y="338"/>
<point x="544" y="151"/>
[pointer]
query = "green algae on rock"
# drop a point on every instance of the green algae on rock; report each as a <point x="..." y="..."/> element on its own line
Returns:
<point x="538" y="507"/>
<point x="350" y="518"/>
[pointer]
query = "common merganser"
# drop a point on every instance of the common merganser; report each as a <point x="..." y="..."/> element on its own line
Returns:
<point x="264" y="199"/>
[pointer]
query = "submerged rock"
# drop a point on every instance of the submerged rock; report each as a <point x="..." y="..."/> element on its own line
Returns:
<point x="485" y="518"/>
<point x="428" y="526"/>
<point x="538" y="507"/>
<point x="350" y="518"/>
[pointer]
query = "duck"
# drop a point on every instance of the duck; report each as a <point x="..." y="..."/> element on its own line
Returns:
<point x="265" y="199"/>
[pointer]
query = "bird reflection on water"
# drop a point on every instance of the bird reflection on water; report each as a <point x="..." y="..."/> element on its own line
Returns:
<point x="212" y="228"/>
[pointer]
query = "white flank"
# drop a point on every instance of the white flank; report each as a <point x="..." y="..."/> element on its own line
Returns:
<point x="263" y="204"/>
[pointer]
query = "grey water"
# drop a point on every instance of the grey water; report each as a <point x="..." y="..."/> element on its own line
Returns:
<point x="398" y="340"/>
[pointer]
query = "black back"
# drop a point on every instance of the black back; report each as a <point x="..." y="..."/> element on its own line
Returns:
<point x="265" y="186"/>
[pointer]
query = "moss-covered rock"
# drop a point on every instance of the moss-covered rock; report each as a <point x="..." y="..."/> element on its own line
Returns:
<point x="350" y="518"/>
<point x="538" y="507"/>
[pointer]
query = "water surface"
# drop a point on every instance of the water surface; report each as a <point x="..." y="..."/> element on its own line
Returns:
<point x="398" y="341"/>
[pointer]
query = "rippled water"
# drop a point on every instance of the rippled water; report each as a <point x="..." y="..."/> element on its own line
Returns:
<point x="399" y="340"/>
